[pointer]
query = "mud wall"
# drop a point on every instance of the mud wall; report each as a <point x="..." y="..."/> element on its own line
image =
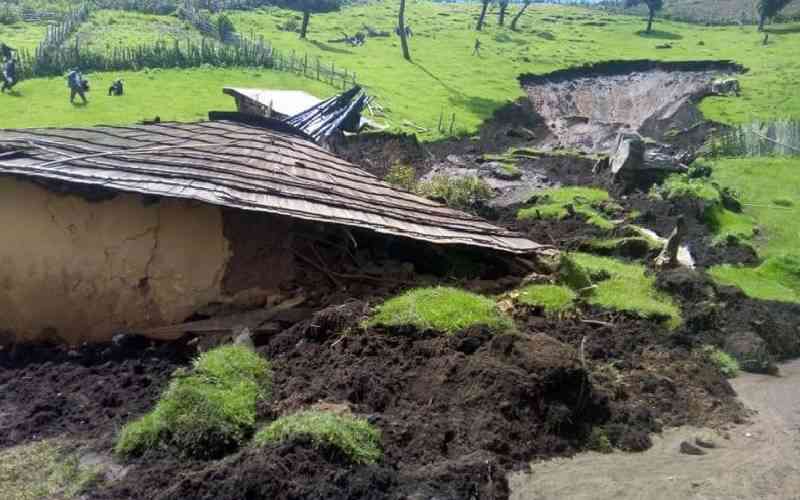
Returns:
<point x="73" y="270"/>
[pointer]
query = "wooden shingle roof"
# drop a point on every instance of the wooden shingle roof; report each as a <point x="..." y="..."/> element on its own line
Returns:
<point x="242" y="166"/>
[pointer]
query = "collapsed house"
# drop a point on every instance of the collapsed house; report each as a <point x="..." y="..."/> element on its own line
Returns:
<point x="109" y="229"/>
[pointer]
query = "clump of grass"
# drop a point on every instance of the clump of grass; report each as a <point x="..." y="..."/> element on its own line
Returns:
<point x="205" y="413"/>
<point x="463" y="193"/>
<point x="402" y="176"/>
<point x="43" y="469"/>
<point x="777" y="278"/>
<point x="626" y="287"/>
<point x="726" y="363"/>
<point x="554" y="299"/>
<point x="682" y="186"/>
<point x="444" y="309"/>
<point x="553" y="203"/>
<point x="726" y="224"/>
<point x="598" y="441"/>
<point x="356" y="438"/>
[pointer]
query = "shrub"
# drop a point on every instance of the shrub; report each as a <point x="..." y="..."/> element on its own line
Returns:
<point x="9" y="16"/>
<point x="598" y="441"/>
<point x="444" y="309"/>
<point x="291" y="25"/>
<point x="225" y="27"/>
<point x="402" y="176"/>
<point x="461" y="193"/>
<point x="681" y="186"/>
<point x="356" y="438"/>
<point x="205" y="413"/>
<point x="726" y="363"/>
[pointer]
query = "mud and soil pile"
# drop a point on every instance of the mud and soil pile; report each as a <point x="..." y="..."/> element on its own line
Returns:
<point x="587" y="108"/>
<point x="456" y="413"/>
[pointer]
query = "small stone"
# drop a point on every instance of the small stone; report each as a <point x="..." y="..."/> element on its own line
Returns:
<point x="705" y="442"/>
<point x="688" y="448"/>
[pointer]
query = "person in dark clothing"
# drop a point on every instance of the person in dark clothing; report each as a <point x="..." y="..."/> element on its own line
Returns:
<point x="78" y="85"/>
<point x="6" y="51"/>
<point x="116" y="88"/>
<point x="9" y="74"/>
<point x="477" y="50"/>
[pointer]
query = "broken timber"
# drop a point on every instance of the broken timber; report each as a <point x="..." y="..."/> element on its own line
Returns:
<point x="250" y="320"/>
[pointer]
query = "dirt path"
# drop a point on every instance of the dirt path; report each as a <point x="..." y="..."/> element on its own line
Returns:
<point x="760" y="460"/>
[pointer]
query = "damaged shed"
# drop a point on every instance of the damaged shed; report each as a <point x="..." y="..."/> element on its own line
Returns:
<point x="114" y="228"/>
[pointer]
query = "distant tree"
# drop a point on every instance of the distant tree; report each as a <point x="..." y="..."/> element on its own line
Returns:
<point x="768" y="9"/>
<point x="484" y="6"/>
<point x="501" y="16"/>
<point x="308" y="7"/>
<point x="519" y="14"/>
<point x="401" y="28"/>
<point x="653" y="6"/>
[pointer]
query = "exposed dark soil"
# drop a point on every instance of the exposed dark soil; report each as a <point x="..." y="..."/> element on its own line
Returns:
<point x="456" y="413"/>
<point x="86" y="393"/>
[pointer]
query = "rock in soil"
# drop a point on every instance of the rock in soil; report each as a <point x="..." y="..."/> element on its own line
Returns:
<point x="688" y="448"/>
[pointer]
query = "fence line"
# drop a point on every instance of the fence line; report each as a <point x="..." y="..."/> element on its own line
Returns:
<point x="57" y="34"/>
<point x="189" y="54"/>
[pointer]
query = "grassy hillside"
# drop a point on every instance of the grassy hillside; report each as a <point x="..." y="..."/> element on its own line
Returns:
<point x="445" y="78"/>
<point x="22" y="35"/>
<point x="113" y="28"/>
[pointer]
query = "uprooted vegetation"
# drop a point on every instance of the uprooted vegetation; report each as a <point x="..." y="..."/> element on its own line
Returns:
<point x="444" y="309"/>
<point x="559" y="203"/>
<point x="626" y="287"/>
<point x="354" y="437"/>
<point x="207" y="412"/>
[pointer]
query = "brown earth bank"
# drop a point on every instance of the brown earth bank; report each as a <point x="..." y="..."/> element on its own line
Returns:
<point x="456" y="412"/>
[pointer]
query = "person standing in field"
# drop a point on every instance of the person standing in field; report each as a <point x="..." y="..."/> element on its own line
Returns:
<point x="9" y="74"/>
<point x="77" y="85"/>
<point x="477" y="50"/>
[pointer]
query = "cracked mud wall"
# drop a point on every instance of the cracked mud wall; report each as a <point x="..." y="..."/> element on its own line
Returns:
<point x="75" y="271"/>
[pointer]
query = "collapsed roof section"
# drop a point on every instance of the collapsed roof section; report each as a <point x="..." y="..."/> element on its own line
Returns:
<point x="240" y="165"/>
<point x="317" y="118"/>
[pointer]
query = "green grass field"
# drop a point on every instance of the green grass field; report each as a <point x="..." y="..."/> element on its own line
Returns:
<point x="107" y="29"/>
<point x="173" y="95"/>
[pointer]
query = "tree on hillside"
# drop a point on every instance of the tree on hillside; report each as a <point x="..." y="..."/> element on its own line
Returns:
<point x="308" y="7"/>
<point x="484" y="6"/>
<point x="519" y="14"/>
<point x="653" y="6"/>
<point x="768" y="9"/>
<point x="501" y="16"/>
<point x="401" y="24"/>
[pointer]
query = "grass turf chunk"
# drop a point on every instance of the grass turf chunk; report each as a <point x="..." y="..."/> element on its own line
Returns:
<point x="354" y="437"/>
<point x="553" y="299"/>
<point x="628" y="288"/>
<point x="552" y="204"/>
<point x="777" y="278"/>
<point x="441" y="308"/>
<point x="205" y="413"/>
<point x="726" y="363"/>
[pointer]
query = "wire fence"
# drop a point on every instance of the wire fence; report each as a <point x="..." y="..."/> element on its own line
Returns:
<point x="187" y="54"/>
<point x="780" y="137"/>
